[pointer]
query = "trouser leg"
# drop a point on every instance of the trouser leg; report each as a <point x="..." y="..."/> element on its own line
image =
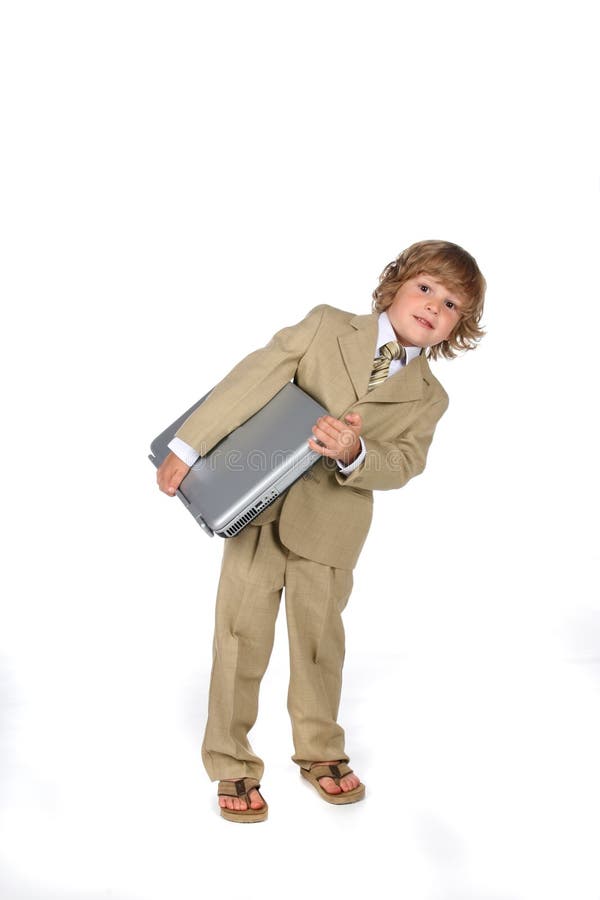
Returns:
<point x="248" y="597"/>
<point x="315" y="596"/>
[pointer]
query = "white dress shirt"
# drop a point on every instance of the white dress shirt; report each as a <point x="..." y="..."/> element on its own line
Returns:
<point x="385" y="334"/>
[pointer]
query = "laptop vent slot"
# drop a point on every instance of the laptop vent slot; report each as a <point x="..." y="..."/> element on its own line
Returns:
<point x="248" y="516"/>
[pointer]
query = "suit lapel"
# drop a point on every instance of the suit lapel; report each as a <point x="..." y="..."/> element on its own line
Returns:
<point x="357" y="348"/>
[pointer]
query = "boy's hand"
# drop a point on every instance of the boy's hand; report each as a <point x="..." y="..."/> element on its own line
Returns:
<point x="339" y="440"/>
<point x="171" y="473"/>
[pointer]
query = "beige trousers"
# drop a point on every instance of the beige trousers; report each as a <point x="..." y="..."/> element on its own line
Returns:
<point x="255" y="569"/>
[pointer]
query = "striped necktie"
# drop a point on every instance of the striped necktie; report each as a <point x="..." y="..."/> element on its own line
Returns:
<point x="381" y="364"/>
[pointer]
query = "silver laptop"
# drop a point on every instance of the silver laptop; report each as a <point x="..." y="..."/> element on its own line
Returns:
<point x="252" y="466"/>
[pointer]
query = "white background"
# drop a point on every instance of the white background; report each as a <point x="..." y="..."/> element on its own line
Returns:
<point x="172" y="170"/>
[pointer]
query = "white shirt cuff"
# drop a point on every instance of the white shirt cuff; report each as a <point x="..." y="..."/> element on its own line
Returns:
<point x="345" y="470"/>
<point x="185" y="453"/>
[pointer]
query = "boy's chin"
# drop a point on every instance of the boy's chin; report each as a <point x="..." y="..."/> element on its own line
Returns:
<point x="424" y="342"/>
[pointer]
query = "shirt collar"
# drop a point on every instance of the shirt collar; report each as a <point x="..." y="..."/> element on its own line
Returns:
<point x="386" y="333"/>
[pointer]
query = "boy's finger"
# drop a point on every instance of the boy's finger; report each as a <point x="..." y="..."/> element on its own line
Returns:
<point x="337" y="425"/>
<point x="320" y="448"/>
<point x="323" y="427"/>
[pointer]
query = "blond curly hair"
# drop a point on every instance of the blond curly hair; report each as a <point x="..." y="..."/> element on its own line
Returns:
<point x="458" y="272"/>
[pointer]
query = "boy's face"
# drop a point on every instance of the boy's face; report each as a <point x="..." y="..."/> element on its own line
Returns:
<point x="423" y="312"/>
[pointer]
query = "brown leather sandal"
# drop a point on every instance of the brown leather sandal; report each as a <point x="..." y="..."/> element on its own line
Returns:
<point x="241" y="788"/>
<point x="336" y="771"/>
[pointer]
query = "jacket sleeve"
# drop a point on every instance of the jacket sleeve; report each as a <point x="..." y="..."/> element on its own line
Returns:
<point x="390" y="464"/>
<point x="250" y="384"/>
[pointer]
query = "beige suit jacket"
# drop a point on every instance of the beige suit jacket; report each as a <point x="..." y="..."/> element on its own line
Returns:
<point x="325" y="516"/>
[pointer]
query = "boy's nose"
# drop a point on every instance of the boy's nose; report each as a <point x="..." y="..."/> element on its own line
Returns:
<point x="433" y="307"/>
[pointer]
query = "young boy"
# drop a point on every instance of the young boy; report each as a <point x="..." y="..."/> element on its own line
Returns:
<point x="371" y="373"/>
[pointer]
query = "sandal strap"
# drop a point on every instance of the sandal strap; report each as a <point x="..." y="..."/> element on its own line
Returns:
<point x="335" y="771"/>
<point x="239" y="788"/>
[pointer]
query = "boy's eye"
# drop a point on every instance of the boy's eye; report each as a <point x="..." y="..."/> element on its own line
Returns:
<point x="424" y="288"/>
<point x="450" y="304"/>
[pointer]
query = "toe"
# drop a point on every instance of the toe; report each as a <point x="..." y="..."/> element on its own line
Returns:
<point x="349" y="782"/>
<point x="237" y="804"/>
<point x="256" y="801"/>
<point x="329" y="785"/>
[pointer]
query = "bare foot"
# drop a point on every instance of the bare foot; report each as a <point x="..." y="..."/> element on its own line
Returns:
<point x="347" y="783"/>
<point x="256" y="801"/>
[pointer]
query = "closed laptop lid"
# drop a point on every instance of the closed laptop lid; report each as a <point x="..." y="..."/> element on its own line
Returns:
<point x="269" y="449"/>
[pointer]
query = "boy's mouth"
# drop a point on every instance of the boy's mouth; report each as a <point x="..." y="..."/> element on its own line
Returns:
<point x="424" y="322"/>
